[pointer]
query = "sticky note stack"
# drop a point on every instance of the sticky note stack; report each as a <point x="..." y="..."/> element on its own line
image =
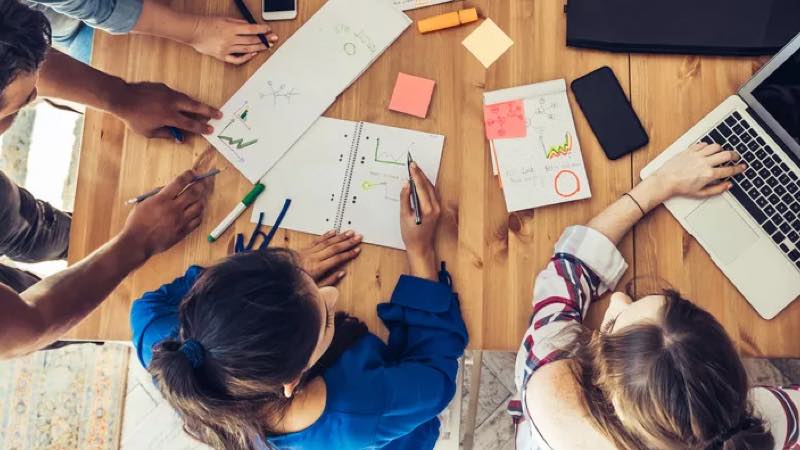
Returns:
<point x="412" y="95"/>
<point x="488" y="43"/>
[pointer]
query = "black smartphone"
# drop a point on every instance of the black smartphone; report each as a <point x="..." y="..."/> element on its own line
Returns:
<point x="609" y="113"/>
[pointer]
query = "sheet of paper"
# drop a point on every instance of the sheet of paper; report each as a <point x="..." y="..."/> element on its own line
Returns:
<point x="546" y="166"/>
<point x="301" y="80"/>
<point x="488" y="42"/>
<point x="314" y="174"/>
<point x="373" y="208"/>
<point x="505" y="120"/>
<point x="405" y="5"/>
<point x="412" y="95"/>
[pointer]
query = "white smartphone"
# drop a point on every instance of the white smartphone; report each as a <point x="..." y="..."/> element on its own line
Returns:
<point x="278" y="9"/>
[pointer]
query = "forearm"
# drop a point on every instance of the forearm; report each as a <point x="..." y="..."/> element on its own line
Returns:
<point x="616" y="220"/>
<point x="68" y="79"/>
<point x="162" y="21"/>
<point x="51" y="307"/>
<point x="422" y="264"/>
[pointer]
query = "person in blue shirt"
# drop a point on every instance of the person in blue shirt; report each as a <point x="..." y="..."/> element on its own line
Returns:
<point x="252" y="355"/>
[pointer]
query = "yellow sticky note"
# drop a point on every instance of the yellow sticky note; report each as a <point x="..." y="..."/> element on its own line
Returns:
<point x="488" y="42"/>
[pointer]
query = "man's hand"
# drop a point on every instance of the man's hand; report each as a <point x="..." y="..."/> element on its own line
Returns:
<point x="419" y="238"/>
<point x="329" y="253"/>
<point x="150" y="108"/>
<point x="231" y="40"/>
<point x="163" y="220"/>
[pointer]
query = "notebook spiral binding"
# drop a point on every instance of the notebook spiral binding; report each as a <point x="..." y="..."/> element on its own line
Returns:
<point x="348" y="176"/>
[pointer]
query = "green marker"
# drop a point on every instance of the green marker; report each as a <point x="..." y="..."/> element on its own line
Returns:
<point x="237" y="211"/>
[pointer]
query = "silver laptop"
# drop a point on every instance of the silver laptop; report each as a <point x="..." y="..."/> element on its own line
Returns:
<point x="753" y="232"/>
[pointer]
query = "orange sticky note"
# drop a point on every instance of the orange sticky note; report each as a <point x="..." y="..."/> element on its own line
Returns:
<point x="412" y="95"/>
<point x="505" y="120"/>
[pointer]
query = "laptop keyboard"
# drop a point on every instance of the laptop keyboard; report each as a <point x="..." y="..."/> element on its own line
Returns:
<point x="768" y="189"/>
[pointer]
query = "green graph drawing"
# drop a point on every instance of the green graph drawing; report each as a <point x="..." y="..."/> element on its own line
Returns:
<point x="386" y="157"/>
<point x="239" y="143"/>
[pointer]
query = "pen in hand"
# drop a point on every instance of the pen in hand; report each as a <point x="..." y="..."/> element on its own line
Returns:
<point x="414" y="194"/>
<point x="146" y="195"/>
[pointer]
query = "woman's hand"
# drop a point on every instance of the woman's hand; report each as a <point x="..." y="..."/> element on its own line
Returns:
<point x="700" y="171"/>
<point x="231" y="40"/>
<point x="329" y="253"/>
<point x="419" y="238"/>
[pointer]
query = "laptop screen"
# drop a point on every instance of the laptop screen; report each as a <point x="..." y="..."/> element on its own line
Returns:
<point x="779" y="94"/>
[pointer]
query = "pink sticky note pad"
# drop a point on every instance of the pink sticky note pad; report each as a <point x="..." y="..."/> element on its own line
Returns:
<point x="412" y="95"/>
<point x="505" y="120"/>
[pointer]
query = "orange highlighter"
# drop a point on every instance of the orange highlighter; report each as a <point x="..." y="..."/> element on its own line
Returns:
<point x="449" y="20"/>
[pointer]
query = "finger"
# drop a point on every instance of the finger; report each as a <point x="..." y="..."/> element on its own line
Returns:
<point x="190" y="105"/>
<point x="332" y="279"/>
<point x="340" y="247"/>
<point x="256" y="28"/>
<point x="163" y="133"/>
<point x="192" y="194"/>
<point x="405" y="202"/>
<point x="177" y="185"/>
<point x="711" y="149"/>
<point x="723" y="157"/>
<point x="247" y="40"/>
<point x="196" y="126"/>
<point x="194" y="210"/>
<point x="697" y="146"/>
<point x="192" y="225"/>
<point x="250" y="48"/>
<point x="715" y="189"/>
<point x="241" y="59"/>
<point x="339" y="260"/>
<point x="420" y="180"/>
<point x="318" y="240"/>
<point x="728" y="171"/>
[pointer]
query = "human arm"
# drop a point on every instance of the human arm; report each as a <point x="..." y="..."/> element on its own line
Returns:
<point x="146" y="108"/>
<point x="41" y="314"/>
<point x="227" y="39"/>
<point x="419" y="239"/>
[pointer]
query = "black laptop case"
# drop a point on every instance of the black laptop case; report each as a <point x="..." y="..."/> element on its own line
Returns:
<point x="701" y="27"/>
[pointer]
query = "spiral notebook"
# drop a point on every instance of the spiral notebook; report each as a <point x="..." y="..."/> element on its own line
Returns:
<point x="344" y="175"/>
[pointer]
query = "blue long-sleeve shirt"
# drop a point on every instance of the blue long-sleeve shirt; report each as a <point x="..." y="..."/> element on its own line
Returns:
<point x="378" y="395"/>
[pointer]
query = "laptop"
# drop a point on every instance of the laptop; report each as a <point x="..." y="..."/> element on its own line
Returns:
<point x="752" y="232"/>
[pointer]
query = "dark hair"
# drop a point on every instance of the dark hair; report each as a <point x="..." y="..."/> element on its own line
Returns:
<point x="24" y="40"/>
<point x="257" y="324"/>
<point x="677" y="383"/>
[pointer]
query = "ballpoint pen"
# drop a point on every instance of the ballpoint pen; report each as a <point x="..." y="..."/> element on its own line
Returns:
<point x="414" y="194"/>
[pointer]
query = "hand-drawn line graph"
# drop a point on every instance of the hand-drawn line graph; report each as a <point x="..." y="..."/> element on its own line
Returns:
<point x="397" y="158"/>
<point x="282" y="92"/>
<point x="556" y="151"/>
<point x="238" y="126"/>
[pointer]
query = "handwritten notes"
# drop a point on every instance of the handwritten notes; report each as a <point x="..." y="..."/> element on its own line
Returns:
<point x="287" y="94"/>
<point x="544" y="166"/>
<point x="412" y="95"/>
<point x="405" y="5"/>
<point x="505" y="120"/>
<point x="488" y="43"/>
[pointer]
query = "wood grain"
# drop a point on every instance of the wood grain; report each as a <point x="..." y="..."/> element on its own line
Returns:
<point x="493" y="256"/>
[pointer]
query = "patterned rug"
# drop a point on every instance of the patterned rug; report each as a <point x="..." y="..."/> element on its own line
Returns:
<point x="70" y="398"/>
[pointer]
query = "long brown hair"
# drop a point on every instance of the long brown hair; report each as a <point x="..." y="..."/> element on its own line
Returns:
<point x="250" y="326"/>
<point x="674" y="384"/>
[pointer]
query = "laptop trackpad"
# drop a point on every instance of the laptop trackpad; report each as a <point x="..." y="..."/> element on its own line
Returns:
<point x="721" y="230"/>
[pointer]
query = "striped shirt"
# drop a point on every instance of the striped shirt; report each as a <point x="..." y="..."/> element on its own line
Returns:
<point x="585" y="266"/>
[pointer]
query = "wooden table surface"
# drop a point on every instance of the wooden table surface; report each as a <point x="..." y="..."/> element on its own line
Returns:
<point x="493" y="255"/>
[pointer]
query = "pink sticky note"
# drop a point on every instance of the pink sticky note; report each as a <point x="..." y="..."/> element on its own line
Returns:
<point x="505" y="120"/>
<point x="412" y="95"/>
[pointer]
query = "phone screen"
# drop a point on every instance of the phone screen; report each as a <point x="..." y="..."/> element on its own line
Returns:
<point x="278" y="5"/>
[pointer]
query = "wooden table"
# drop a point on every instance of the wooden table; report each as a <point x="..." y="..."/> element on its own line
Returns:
<point x="493" y="255"/>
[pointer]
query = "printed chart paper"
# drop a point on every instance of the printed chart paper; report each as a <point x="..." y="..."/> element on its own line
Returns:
<point x="345" y="175"/>
<point x="546" y="166"/>
<point x="301" y="80"/>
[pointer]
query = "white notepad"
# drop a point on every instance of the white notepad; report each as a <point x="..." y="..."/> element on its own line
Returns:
<point x="345" y="175"/>
<point x="546" y="166"/>
<point x="301" y="80"/>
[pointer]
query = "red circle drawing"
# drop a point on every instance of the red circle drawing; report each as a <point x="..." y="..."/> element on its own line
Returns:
<point x="577" y="183"/>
